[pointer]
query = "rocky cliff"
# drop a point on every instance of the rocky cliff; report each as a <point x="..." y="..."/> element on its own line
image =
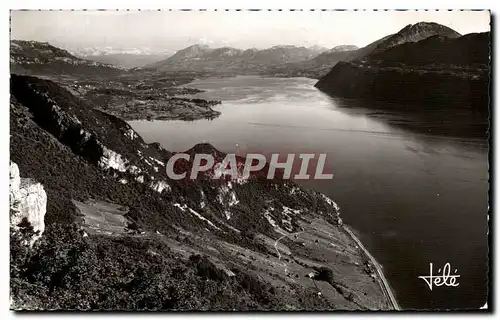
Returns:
<point x="28" y="201"/>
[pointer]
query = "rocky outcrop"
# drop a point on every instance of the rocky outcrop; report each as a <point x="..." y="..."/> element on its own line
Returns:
<point x="28" y="200"/>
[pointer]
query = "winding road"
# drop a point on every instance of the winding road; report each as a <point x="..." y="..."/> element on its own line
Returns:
<point x="384" y="284"/>
<point x="383" y="281"/>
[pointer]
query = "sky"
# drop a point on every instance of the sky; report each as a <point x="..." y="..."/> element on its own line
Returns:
<point x="174" y="30"/>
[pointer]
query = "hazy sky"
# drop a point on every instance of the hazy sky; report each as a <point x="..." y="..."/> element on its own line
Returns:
<point x="173" y="30"/>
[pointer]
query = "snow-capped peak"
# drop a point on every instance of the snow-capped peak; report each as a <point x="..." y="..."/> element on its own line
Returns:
<point x="108" y="50"/>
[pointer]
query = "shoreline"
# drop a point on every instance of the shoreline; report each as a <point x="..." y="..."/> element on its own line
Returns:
<point x="384" y="283"/>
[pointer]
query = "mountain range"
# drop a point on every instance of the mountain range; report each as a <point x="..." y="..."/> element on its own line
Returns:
<point x="283" y="60"/>
<point x="203" y="58"/>
<point x="321" y="65"/>
<point x="292" y="60"/>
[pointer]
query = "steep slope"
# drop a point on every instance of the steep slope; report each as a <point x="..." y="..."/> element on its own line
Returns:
<point x="120" y="235"/>
<point x="32" y="57"/>
<point x="437" y="72"/>
<point x="469" y="50"/>
<point x="416" y="32"/>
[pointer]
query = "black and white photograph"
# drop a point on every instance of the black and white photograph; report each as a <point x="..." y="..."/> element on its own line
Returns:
<point x="250" y="160"/>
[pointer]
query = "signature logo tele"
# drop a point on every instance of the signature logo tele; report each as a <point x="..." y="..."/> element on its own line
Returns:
<point x="442" y="278"/>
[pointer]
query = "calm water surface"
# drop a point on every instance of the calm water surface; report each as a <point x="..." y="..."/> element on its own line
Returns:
<point x="414" y="198"/>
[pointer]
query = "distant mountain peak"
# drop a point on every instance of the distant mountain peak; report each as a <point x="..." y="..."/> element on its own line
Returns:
<point x="193" y="51"/>
<point x="416" y="32"/>
<point x="430" y="27"/>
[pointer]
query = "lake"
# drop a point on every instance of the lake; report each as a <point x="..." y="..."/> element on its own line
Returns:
<point x="414" y="197"/>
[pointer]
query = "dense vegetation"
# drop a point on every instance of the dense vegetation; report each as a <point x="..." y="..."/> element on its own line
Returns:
<point x="70" y="269"/>
<point x="67" y="270"/>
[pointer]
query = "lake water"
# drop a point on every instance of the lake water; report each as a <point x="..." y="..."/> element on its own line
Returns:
<point x="414" y="198"/>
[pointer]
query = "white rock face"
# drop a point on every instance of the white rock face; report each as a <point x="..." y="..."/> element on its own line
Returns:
<point x="111" y="159"/>
<point x="27" y="200"/>
<point x="199" y="216"/>
<point x="331" y="203"/>
<point x="15" y="180"/>
<point x="131" y="134"/>
<point x="227" y="194"/>
<point x="270" y="219"/>
<point x="157" y="161"/>
<point x="159" y="186"/>
<point x="134" y="170"/>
